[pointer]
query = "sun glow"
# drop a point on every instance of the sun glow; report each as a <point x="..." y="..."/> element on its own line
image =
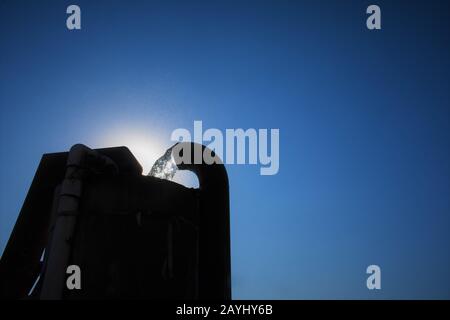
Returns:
<point x="147" y="147"/>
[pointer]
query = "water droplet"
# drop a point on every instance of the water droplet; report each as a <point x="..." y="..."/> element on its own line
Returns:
<point x="165" y="167"/>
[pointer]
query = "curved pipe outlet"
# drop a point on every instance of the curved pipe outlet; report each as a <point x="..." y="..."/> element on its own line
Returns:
<point x="214" y="225"/>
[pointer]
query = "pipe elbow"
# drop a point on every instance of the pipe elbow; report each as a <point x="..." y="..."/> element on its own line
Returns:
<point x="201" y="160"/>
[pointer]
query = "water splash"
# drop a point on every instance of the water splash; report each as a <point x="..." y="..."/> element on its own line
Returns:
<point x="165" y="167"/>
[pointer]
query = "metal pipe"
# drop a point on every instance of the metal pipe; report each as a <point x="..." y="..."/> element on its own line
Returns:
<point x="214" y="225"/>
<point x="81" y="162"/>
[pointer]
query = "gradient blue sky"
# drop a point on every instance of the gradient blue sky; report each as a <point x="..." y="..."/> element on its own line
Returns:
<point x="363" y="116"/>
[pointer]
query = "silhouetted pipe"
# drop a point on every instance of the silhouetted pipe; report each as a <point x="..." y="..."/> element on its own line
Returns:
<point x="81" y="162"/>
<point x="214" y="229"/>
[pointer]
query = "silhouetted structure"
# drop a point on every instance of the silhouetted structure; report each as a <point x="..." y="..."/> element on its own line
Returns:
<point x="133" y="236"/>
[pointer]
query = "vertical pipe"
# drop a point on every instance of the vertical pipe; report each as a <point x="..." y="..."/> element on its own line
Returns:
<point x="80" y="162"/>
<point x="214" y="225"/>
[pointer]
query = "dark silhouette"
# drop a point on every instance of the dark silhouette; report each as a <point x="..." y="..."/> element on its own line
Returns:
<point x="132" y="236"/>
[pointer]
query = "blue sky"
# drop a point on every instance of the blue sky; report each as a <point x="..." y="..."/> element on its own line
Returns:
<point x="363" y="118"/>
